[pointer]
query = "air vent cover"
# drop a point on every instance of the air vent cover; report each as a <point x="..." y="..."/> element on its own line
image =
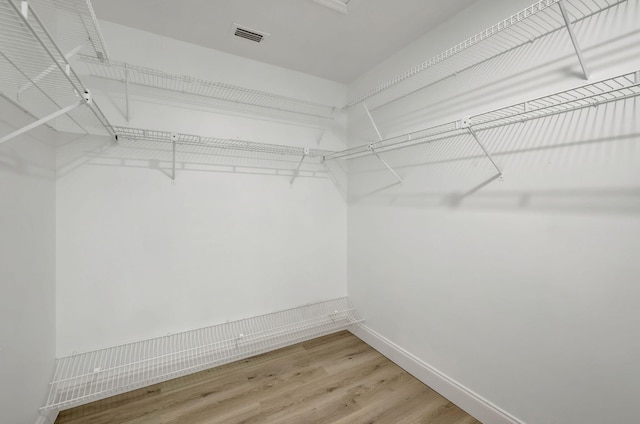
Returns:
<point x="248" y="33"/>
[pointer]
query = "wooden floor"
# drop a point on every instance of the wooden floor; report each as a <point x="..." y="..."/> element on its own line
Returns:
<point x="336" y="379"/>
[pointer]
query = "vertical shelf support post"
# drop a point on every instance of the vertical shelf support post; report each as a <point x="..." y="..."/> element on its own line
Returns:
<point x="574" y="39"/>
<point x="305" y="152"/>
<point x="126" y="89"/>
<point x="174" y="139"/>
<point x="372" y="146"/>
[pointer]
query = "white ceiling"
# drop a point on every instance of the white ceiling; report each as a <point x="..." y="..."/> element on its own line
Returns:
<point x="305" y="36"/>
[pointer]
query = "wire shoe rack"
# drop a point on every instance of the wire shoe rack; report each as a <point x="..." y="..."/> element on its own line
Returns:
<point x="86" y="377"/>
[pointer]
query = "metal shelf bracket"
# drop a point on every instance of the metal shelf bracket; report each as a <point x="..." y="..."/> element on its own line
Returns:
<point x="574" y="39"/>
<point x="174" y="139"/>
<point x="86" y="100"/>
<point x="305" y="152"/>
<point x="466" y="123"/>
<point x="372" y="146"/>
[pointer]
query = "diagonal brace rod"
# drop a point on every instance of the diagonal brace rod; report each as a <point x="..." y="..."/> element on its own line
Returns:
<point x="297" y="170"/>
<point x="384" y="162"/>
<point x="47" y="71"/>
<point x="372" y="145"/>
<point x="574" y="39"/>
<point x="484" y="149"/>
<point x="44" y="120"/>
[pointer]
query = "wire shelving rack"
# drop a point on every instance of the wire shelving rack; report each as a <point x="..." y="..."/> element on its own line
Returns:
<point x="614" y="89"/>
<point x="208" y="90"/>
<point x="219" y="143"/>
<point x="74" y="25"/>
<point x="539" y="20"/>
<point x="90" y="376"/>
<point x="36" y="75"/>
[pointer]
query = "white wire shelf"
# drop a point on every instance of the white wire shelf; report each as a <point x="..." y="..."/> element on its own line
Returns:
<point x="86" y="377"/>
<point x="74" y="25"/>
<point x="536" y="21"/>
<point x="35" y="74"/>
<point x="219" y="143"/>
<point x="214" y="91"/>
<point x="591" y="95"/>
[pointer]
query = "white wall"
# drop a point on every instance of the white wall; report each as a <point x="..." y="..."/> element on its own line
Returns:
<point x="525" y="291"/>
<point x="27" y="267"/>
<point x="140" y="256"/>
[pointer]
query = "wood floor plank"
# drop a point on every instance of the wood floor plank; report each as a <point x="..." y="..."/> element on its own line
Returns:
<point x="336" y="379"/>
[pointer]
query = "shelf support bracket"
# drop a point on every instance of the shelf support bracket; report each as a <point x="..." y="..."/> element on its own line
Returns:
<point x="574" y="39"/>
<point x="373" y="123"/>
<point x="126" y="89"/>
<point x="86" y="100"/>
<point x="372" y="146"/>
<point x="174" y="139"/>
<point x="32" y="82"/>
<point x="305" y="152"/>
<point x="484" y="149"/>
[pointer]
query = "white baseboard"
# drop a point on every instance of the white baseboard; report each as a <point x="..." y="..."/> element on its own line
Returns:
<point x="472" y="403"/>
<point x="48" y="417"/>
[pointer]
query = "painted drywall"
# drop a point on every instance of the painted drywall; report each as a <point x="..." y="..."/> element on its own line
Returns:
<point x="524" y="291"/>
<point x="140" y="256"/>
<point x="27" y="267"/>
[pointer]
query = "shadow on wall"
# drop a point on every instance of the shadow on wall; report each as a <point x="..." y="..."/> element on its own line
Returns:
<point x="581" y="161"/>
<point x="16" y="156"/>
<point x="75" y="153"/>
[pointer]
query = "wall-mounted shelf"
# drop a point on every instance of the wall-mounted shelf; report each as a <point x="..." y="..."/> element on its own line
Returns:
<point x="75" y="27"/>
<point x="215" y="92"/>
<point x="219" y="143"/>
<point x="591" y="95"/>
<point x="536" y="21"/>
<point x="86" y="377"/>
<point x="35" y="75"/>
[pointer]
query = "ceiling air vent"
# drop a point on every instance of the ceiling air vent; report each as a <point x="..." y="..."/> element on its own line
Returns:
<point x="248" y="33"/>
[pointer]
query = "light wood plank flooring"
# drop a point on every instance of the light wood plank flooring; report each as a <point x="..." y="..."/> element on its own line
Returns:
<point x="337" y="379"/>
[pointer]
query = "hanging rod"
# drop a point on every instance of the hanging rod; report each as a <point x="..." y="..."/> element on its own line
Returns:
<point x="536" y="21"/>
<point x="219" y="143"/>
<point x="618" y="88"/>
<point x="29" y="50"/>
<point x="183" y="84"/>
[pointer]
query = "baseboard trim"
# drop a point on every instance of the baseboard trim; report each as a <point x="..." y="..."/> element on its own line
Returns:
<point x="48" y="417"/>
<point x="471" y="402"/>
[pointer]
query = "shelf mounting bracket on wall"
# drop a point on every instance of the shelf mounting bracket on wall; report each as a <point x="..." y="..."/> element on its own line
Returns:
<point x="466" y="123"/>
<point x="574" y="39"/>
<point x="297" y="170"/>
<point x="85" y="100"/>
<point x="174" y="139"/>
<point x="126" y="90"/>
<point x="372" y="146"/>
